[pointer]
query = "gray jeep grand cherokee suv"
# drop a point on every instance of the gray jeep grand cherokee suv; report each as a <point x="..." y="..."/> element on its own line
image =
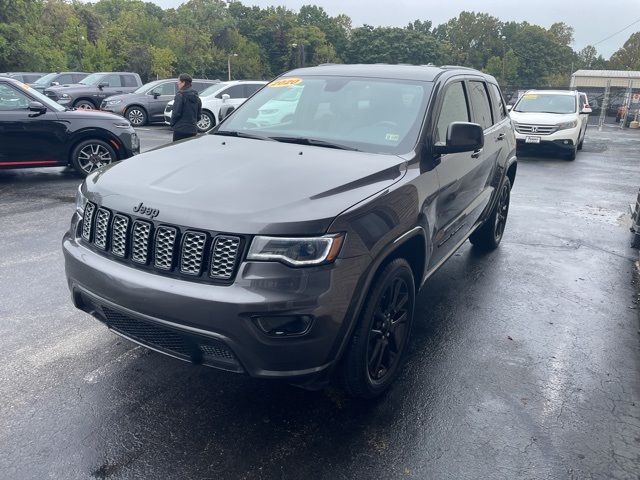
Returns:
<point x="295" y="250"/>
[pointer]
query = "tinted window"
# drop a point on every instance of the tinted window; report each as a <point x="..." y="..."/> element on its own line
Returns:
<point x="501" y="111"/>
<point x="237" y="91"/>
<point x="77" y="77"/>
<point x="251" y="88"/>
<point x="481" y="105"/>
<point x="64" y="79"/>
<point x="31" y="78"/>
<point x="200" y="86"/>
<point x="454" y="109"/>
<point x="129" y="81"/>
<point x="12" y="99"/>
<point x="111" y="80"/>
<point x="168" y="88"/>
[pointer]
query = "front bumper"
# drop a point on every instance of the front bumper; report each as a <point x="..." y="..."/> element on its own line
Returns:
<point x="221" y="317"/>
<point x="565" y="139"/>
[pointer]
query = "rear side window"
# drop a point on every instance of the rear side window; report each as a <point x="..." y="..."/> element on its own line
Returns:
<point x="481" y="106"/>
<point x="200" y="86"/>
<point x="128" y="81"/>
<point x="454" y="109"/>
<point x="77" y="77"/>
<point x="30" y="78"/>
<point x="64" y="79"/>
<point x="501" y="111"/>
<point x="251" y="88"/>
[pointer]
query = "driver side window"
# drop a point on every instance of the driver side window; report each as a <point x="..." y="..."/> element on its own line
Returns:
<point x="12" y="99"/>
<point x="454" y="109"/>
<point x="168" y="88"/>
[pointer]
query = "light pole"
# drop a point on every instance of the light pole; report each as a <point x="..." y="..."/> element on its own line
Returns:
<point x="229" y="63"/>
<point x="299" y="54"/>
<point x="504" y="57"/>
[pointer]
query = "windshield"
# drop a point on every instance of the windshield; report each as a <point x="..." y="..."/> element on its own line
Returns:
<point x="546" y="103"/>
<point x="92" y="79"/>
<point x="46" y="79"/>
<point x="368" y="114"/>
<point x="212" y="89"/>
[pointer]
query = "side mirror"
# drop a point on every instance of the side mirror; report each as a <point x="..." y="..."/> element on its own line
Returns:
<point x="509" y="107"/>
<point x="461" y="137"/>
<point x="102" y="85"/>
<point x="225" y="97"/>
<point x="55" y="84"/>
<point x="37" y="107"/>
<point x="155" y="94"/>
<point x="225" y="112"/>
<point x="586" y="109"/>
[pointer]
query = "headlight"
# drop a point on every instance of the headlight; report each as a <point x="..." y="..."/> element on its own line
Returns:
<point x="81" y="201"/>
<point x="296" y="252"/>
<point x="567" y="125"/>
<point x="65" y="95"/>
<point x="113" y="102"/>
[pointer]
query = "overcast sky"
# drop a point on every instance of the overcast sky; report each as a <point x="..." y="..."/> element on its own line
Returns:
<point x="593" y="20"/>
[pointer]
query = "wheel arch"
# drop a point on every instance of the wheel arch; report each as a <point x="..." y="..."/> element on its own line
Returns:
<point x="95" y="133"/>
<point x="512" y="168"/>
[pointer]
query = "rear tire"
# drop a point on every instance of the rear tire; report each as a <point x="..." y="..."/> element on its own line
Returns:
<point x="489" y="235"/>
<point x="378" y="346"/>
<point x="89" y="155"/>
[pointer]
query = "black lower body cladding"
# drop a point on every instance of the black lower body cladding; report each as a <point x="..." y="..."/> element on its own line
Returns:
<point x="223" y="325"/>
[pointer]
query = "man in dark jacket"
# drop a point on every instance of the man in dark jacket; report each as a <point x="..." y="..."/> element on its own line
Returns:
<point x="187" y="109"/>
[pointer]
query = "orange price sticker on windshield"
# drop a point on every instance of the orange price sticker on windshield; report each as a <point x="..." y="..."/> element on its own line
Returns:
<point x="285" y="82"/>
<point x="530" y="96"/>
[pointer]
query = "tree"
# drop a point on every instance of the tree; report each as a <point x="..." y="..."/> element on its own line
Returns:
<point x="495" y="67"/>
<point x="628" y="57"/>
<point x="589" y="58"/>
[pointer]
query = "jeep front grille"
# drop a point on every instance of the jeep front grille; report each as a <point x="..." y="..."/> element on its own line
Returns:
<point x="168" y="249"/>
<point x="535" y="129"/>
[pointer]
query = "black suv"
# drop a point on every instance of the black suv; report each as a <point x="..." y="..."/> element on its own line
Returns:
<point x="294" y="250"/>
<point x="37" y="132"/>
<point x="147" y="103"/>
<point x="91" y="90"/>
<point x="58" y="78"/>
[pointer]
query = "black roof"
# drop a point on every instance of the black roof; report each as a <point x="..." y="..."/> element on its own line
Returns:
<point x="427" y="73"/>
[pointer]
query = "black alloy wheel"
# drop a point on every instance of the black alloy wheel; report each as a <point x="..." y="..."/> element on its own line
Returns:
<point x="90" y="155"/>
<point x="378" y="346"/>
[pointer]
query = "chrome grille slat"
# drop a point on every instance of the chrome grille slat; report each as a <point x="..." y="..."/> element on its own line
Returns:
<point x="536" y="129"/>
<point x="140" y="241"/>
<point x="223" y="257"/>
<point x="164" y="247"/>
<point x="87" y="220"/>
<point x="119" y="234"/>
<point x="100" y="235"/>
<point x="193" y="244"/>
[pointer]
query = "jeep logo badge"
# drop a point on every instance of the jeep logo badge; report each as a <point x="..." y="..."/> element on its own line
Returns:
<point x="142" y="210"/>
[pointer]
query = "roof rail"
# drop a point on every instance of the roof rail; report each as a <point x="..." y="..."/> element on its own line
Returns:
<point x="451" y="67"/>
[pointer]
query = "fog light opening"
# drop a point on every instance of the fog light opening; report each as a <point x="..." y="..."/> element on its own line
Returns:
<point x="284" y="326"/>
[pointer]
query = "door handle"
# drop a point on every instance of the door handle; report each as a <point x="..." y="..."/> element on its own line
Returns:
<point x="500" y="137"/>
<point x="476" y="154"/>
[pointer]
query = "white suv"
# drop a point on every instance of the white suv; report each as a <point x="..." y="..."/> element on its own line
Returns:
<point x="554" y="118"/>
<point x="214" y="97"/>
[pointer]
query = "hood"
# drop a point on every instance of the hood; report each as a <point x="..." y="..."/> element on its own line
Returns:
<point x="93" y="115"/>
<point x="542" y="118"/>
<point x="70" y="86"/>
<point x="245" y="186"/>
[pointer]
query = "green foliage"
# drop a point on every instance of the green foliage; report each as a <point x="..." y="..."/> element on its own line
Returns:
<point x="200" y="37"/>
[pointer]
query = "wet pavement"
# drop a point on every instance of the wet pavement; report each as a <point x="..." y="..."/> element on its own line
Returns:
<point x="524" y="362"/>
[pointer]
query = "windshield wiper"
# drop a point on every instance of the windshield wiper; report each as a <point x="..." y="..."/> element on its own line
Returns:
<point x="234" y="133"/>
<point x="314" y="142"/>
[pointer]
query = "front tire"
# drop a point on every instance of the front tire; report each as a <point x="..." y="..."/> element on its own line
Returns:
<point x="89" y="155"/>
<point x="377" y="349"/>
<point x="572" y="154"/>
<point x="137" y="116"/>
<point x="489" y="235"/>
<point x="206" y="122"/>
<point x="84" y="105"/>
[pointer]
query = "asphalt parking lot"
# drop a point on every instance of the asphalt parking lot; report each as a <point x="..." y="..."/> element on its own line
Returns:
<point x="524" y="363"/>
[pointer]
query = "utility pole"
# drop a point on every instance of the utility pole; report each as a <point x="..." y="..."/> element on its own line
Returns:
<point x="229" y="63"/>
<point x="504" y="59"/>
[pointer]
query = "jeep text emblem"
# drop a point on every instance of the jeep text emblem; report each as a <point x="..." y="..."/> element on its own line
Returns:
<point x="142" y="210"/>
